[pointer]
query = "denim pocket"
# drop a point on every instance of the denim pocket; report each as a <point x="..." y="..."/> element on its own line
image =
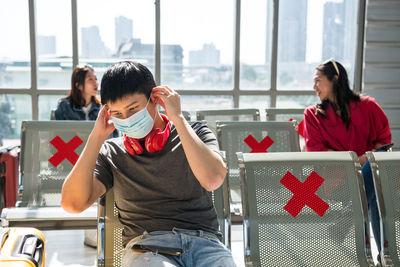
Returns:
<point x="160" y="241"/>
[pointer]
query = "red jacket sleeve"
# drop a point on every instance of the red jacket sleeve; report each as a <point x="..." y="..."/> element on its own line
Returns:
<point x="312" y="135"/>
<point x="380" y="130"/>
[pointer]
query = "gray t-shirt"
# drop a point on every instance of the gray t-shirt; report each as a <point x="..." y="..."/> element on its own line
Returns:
<point x="157" y="191"/>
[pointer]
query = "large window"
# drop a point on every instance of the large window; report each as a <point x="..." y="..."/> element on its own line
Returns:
<point x="310" y="32"/>
<point x="255" y="44"/>
<point x="13" y="110"/>
<point x="14" y="46"/>
<point x="110" y="32"/>
<point x="197" y="44"/>
<point x="53" y="43"/>
<point x="217" y="54"/>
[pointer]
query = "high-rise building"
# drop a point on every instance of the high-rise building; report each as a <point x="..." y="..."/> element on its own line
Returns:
<point x="339" y="29"/>
<point x="92" y="45"/>
<point x="350" y="29"/>
<point x="292" y="39"/>
<point x="123" y="30"/>
<point x="46" y="45"/>
<point x="268" y="36"/>
<point x="209" y="55"/>
<point x="333" y="31"/>
<point x="172" y="55"/>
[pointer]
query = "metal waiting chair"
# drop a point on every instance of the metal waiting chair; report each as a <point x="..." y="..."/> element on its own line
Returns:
<point x="109" y="234"/>
<point x="221" y="200"/>
<point x="47" y="147"/>
<point x="53" y="115"/>
<point x="211" y="116"/>
<point x="304" y="209"/>
<point x="231" y="136"/>
<point x="109" y="231"/>
<point x="284" y="114"/>
<point x="186" y="114"/>
<point x="386" y="174"/>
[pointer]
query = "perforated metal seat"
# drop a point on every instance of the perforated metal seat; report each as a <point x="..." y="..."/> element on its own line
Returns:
<point x="41" y="180"/>
<point x="212" y="116"/>
<point x="109" y="234"/>
<point x="221" y="200"/>
<point x="284" y="114"/>
<point x="279" y="231"/>
<point x="231" y="136"/>
<point x="186" y="114"/>
<point x="386" y="173"/>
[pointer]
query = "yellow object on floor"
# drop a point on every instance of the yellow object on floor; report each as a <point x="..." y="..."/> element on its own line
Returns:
<point x="22" y="247"/>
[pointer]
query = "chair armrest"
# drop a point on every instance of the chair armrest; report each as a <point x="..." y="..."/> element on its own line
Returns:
<point x="49" y="218"/>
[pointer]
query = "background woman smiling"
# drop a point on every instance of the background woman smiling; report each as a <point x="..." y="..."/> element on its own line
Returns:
<point x="346" y="121"/>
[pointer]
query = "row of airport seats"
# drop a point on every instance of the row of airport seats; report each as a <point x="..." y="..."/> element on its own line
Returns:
<point x="299" y="209"/>
<point x="42" y="181"/>
<point x="241" y="114"/>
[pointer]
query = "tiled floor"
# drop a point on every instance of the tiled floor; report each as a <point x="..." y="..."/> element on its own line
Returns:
<point x="65" y="248"/>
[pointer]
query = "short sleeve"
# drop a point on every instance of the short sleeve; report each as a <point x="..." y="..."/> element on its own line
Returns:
<point x="312" y="134"/>
<point x="206" y="135"/>
<point x="379" y="123"/>
<point x="102" y="170"/>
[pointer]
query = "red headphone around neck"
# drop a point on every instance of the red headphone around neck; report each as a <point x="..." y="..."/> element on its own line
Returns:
<point x="155" y="140"/>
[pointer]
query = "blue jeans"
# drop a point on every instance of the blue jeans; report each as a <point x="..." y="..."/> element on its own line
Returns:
<point x="372" y="204"/>
<point x="198" y="248"/>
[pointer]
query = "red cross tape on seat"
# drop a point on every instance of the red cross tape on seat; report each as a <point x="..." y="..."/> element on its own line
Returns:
<point x="65" y="150"/>
<point x="257" y="147"/>
<point x="304" y="194"/>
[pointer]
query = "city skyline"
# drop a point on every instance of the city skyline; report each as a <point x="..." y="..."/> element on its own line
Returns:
<point x="145" y="28"/>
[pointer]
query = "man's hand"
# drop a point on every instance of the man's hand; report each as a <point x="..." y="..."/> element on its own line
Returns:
<point x="103" y="126"/>
<point x="169" y="100"/>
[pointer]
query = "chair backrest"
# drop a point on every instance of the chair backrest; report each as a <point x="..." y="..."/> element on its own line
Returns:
<point x="211" y="116"/>
<point x="221" y="200"/>
<point x="53" y="115"/>
<point x="109" y="234"/>
<point x="284" y="114"/>
<point x="231" y="136"/>
<point x="386" y="173"/>
<point x="279" y="231"/>
<point x="46" y="147"/>
<point x="109" y="245"/>
<point x="186" y="114"/>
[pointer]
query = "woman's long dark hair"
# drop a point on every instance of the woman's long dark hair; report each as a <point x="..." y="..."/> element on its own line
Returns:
<point x="78" y="79"/>
<point x="341" y="91"/>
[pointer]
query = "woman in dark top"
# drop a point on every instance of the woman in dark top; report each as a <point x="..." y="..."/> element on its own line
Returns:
<point x="81" y="102"/>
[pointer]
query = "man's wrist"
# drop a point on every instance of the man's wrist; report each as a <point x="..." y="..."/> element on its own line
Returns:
<point x="177" y="119"/>
<point x="97" y="138"/>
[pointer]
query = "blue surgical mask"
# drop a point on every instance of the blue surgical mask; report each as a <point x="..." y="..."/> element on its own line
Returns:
<point x="136" y="126"/>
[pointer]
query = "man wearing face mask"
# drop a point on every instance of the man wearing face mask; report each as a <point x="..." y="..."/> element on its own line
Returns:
<point x="161" y="170"/>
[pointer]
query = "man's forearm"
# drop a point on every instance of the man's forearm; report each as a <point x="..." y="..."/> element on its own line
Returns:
<point x="78" y="186"/>
<point x="207" y="166"/>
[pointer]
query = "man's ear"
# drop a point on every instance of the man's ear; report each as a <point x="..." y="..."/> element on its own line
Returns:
<point x="153" y="98"/>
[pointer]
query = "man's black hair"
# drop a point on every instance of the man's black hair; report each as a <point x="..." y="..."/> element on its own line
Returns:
<point x="123" y="78"/>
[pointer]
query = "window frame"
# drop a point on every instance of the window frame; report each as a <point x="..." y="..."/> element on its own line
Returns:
<point x="235" y="92"/>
